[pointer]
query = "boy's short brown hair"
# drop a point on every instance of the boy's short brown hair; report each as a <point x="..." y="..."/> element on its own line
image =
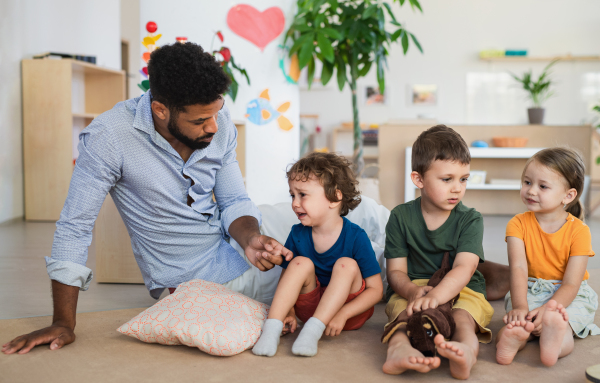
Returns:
<point x="334" y="173"/>
<point x="438" y="143"/>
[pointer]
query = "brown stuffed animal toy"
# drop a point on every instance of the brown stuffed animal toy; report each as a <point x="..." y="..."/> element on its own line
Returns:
<point x="423" y="326"/>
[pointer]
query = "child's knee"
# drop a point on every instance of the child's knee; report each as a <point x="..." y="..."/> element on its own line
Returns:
<point x="302" y="264"/>
<point x="346" y="264"/>
<point x="462" y="317"/>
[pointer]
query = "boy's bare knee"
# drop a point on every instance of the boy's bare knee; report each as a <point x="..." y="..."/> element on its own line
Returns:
<point x="346" y="264"/>
<point x="302" y="263"/>
<point x="463" y="318"/>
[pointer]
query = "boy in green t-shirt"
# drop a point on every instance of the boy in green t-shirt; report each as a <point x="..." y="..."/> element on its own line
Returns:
<point x="418" y="233"/>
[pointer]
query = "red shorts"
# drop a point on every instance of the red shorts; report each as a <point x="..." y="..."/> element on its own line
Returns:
<point x="306" y="305"/>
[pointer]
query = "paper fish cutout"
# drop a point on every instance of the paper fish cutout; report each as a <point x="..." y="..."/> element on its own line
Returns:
<point x="151" y="40"/>
<point x="260" y="112"/>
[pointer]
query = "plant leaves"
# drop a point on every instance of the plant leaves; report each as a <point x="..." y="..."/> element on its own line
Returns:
<point x="404" y="38"/>
<point x="334" y="34"/>
<point x="389" y="11"/>
<point x="341" y="72"/>
<point x="233" y="89"/>
<point x="365" y="69"/>
<point x="305" y="53"/>
<point x="370" y="11"/>
<point x="303" y="28"/>
<point x="415" y="4"/>
<point x="241" y="70"/>
<point x="311" y="71"/>
<point x="325" y="47"/>
<point x="327" y="72"/>
<point x="300" y="41"/>
<point x="414" y="39"/>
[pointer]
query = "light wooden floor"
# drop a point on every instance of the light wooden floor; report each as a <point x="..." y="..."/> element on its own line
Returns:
<point x="24" y="283"/>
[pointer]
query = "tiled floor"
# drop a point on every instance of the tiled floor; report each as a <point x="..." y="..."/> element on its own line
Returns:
<point x="25" y="287"/>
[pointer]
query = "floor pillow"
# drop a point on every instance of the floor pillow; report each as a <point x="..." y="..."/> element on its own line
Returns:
<point x="201" y="314"/>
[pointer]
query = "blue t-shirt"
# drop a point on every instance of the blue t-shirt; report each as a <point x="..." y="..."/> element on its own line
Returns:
<point x="353" y="242"/>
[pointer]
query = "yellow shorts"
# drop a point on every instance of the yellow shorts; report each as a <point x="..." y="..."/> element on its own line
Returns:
<point x="471" y="301"/>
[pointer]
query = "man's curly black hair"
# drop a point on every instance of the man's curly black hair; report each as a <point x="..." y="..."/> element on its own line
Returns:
<point x="184" y="74"/>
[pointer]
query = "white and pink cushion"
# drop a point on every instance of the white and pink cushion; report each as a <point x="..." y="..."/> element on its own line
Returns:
<point x="201" y="314"/>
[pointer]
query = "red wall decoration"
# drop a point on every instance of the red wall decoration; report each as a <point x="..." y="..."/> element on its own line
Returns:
<point x="260" y="28"/>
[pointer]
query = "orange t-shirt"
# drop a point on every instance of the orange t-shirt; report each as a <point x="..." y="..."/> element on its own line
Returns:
<point x="548" y="254"/>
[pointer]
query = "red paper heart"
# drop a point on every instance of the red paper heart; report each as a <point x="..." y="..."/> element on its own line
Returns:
<point x="260" y="28"/>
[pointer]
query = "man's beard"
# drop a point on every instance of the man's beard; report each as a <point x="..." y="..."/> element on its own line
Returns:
<point x="196" y="144"/>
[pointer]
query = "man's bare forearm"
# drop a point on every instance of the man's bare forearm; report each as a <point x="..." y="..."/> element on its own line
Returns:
<point x="65" y="304"/>
<point x="242" y="229"/>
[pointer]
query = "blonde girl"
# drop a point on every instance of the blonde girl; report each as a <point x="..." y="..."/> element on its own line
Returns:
<point x="548" y="250"/>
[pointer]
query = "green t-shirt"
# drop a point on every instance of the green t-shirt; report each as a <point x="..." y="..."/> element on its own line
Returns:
<point x="407" y="236"/>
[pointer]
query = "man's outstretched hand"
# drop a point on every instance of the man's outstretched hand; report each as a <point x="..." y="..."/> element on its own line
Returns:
<point x="57" y="336"/>
<point x="60" y="333"/>
<point x="265" y="252"/>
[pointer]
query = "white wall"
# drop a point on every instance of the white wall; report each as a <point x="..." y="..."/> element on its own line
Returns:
<point x="29" y="27"/>
<point x="451" y="34"/>
<point x="130" y="31"/>
<point x="268" y="148"/>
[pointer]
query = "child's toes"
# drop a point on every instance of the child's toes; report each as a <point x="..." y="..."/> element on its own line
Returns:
<point x="529" y="326"/>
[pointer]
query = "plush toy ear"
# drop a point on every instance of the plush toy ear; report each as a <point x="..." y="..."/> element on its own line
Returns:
<point x="390" y="330"/>
<point x="431" y="323"/>
<point x="439" y="322"/>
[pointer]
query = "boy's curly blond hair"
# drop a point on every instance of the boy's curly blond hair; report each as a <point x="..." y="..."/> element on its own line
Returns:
<point x="334" y="173"/>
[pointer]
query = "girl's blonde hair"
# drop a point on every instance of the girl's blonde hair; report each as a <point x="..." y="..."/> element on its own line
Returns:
<point x="569" y="164"/>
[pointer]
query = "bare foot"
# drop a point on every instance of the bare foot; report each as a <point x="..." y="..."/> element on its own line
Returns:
<point x="555" y="324"/>
<point x="513" y="338"/>
<point x="462" y="358"/>
<point x="404" y="358"/>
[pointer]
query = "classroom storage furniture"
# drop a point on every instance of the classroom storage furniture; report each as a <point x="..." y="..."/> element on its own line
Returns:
<point x="60" y="98"/>
<point x="499" y="163"/>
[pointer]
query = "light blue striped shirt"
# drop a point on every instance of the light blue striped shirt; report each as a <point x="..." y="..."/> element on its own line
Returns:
<point x="121" y="153"/>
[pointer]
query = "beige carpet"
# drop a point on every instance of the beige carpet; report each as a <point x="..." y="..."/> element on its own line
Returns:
<point x="100" y="354"/>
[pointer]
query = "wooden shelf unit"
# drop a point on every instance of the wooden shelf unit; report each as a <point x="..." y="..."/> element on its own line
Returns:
<point x="527" y="58"/>
<point x="489" y="199"/>
<point x="60" y="97"/>
<point x="496" y="153"/>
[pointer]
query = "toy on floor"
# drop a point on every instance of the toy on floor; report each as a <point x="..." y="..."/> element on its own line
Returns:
<point x="423" y="326"/>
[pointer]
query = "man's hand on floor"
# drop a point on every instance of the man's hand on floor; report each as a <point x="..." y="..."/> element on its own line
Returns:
<point x="265" y="252"/>
<point x="58" y="336"/>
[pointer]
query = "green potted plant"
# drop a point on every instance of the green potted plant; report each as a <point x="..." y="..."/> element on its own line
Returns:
<point x="538" y="91"/>
<point x="347" y="36"/>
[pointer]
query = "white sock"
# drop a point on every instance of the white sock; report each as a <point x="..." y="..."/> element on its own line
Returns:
<point x="269" y="339"/>
<point x="306" y="344"/>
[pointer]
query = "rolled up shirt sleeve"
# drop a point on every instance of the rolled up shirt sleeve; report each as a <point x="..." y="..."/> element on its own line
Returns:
<point x="97" y="170"/>
<point x="230" y="192"/>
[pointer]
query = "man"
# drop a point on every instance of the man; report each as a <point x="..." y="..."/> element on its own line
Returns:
<point x="161" y="157"/>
